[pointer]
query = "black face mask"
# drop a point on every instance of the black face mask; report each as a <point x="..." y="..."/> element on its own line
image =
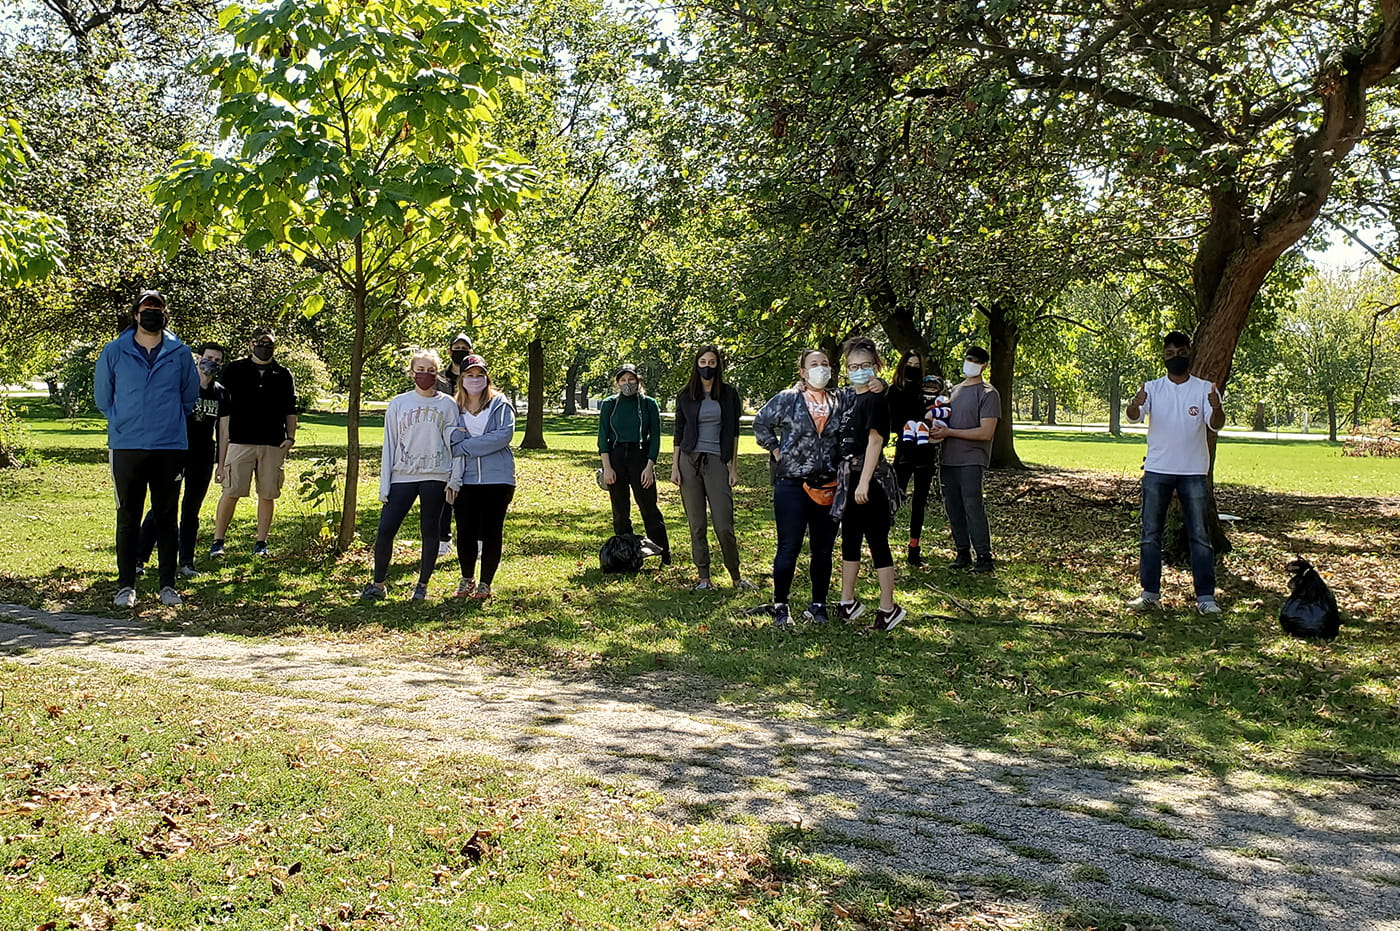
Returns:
<point x="912" y="372"/>
<point x="262" y="351"/>
<point x="460" y="355"/>
<point x="1178" y="365"/>
<point x="707" y="372"/>
<point x="151" y="319"/>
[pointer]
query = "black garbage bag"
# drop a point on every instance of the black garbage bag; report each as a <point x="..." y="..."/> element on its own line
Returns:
<point x="621" y="553"/>
<point x="1310" y="611"/>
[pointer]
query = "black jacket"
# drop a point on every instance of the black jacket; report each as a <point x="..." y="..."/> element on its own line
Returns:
<point x="687" y="429"/>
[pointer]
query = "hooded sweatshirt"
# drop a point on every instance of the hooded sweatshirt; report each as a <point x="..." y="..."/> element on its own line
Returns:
<point x="483" y="455"/>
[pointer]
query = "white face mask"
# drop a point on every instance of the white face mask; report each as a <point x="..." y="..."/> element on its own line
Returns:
<point x="972" y="369"/>
<point x="819" y="375"/>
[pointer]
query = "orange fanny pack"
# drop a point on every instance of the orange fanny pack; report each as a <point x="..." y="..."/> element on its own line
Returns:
<point x="821" y="494"/>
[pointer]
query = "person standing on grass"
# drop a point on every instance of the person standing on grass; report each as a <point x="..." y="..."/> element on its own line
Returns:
<point x="255" y="437"/>
<point x="705" y="463"/>
<point x="483" y="476"/>
<point x="798" y="427"/>
<point x="975" y="408"/>
<point x="200" y="427"/>
<point x="146" y="385"/>
<point x="1182" y="411"/>
<point x="629" y="441"/>
<point x="458" y="350"/>
<point x="866" y="510"/>
<point x="915" y="455"/>
<point x="416" y="466"/>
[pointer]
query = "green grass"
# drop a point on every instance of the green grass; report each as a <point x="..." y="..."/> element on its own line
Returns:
<point x="1199" y="694"/>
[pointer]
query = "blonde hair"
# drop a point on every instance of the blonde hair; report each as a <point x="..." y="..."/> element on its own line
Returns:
<point x="429" y="354"/>
<point x="463" y="402"/>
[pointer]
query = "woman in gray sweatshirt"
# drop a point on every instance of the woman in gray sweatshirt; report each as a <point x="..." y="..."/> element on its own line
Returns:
<point x="483" y="476"/>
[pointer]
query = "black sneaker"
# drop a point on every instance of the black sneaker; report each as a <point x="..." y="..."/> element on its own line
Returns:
<point x="849" y="611"/>
<point x="216" y="551"/>
<point x="816" y="613"/>
<point x="374" y="591"/>
<point x="140" y="571"/>
<point x="888" y="620"/>
<point x="964" y="561"/>
<point x="260" y="549"/>
<point x="984" y="565"/>
<point x="782" y="618"/>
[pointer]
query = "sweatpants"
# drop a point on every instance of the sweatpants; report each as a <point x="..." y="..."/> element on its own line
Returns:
<point x="429" y="496"/>
<point x="628" y="461"/>
<point x="198" y="474"/>
<point x="134" y="471"/>
<point x="967" y="512"/>
<point x="481" y="517"/>
<point x="705" y="481"/>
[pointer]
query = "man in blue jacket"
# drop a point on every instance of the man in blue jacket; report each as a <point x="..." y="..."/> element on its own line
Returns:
<point x="146" y="385"/>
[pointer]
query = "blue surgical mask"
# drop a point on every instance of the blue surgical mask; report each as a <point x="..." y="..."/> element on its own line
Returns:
<point x="861" y="376"/>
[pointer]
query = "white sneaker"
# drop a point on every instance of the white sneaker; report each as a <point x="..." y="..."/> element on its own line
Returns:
<point x="444" y="548"/>
<point x="1146" y="601"/>
<point x="126" y="598"/>
<point x="1207" y="606"/>
<point x="170" y="598"/>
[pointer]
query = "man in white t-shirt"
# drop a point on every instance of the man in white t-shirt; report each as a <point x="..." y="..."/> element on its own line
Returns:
<point x="1180" y="410"/>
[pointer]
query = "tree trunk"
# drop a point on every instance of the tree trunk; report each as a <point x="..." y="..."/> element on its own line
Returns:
<point x="1035" y="406"/>
<point x="534" y="417"/>
<point x="1115" y="403"/>
<point x="1004" y="334"/>
<point x="898" y="322"/>
<point x="1356" y="397"/>
<point x="571" y="389"/>
<point x="1260" y="422"/>
<point x="1052" y="408"/>
<point x="352" y="414"/>
<point x="1331" y="397"/>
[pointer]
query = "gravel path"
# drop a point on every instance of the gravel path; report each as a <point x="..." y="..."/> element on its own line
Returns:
<point x="1198" y="852"/>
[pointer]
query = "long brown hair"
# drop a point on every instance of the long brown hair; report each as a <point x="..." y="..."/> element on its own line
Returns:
<point x="486" y="396"/>
<point x="904" y="357"/>
<point x="802" y="358"/>
<point x="694" y="386"/>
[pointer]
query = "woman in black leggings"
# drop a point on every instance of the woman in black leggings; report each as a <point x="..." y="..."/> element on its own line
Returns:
<point x="867" y="514"/>
<point x="483" y="476"/>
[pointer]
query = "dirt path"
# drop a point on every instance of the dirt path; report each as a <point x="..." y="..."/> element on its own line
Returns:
<point x="1200" y="852"/>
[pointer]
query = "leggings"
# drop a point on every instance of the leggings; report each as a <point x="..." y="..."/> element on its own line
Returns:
<point x="923" y="475"/>
<point x="481" y="516"/>
<point x="796" y="516"/>
<point x="869" y="521"/>
<point x="430" y="496"/>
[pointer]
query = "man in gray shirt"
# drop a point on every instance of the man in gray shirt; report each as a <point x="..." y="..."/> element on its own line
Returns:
<point x="967" y="451"/>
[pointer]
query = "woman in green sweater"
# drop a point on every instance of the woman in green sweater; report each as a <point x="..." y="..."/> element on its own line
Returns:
<point x="629" y="440"/>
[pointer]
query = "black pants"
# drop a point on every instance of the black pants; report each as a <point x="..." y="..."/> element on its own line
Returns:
<point x="628" y="461"/>
<point x="870" y="522"/>
<point x="198" y="473"/>
<point x="429" y="496"/>
<point x="133" y="472"/>
<point x="798" y="516"/>
<point x="481" y="516"/>
<point x="923" y="474"/>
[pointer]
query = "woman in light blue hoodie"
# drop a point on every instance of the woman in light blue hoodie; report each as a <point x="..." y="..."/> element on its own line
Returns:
<point x="483" y="476"/>
<point x="417" y="465"/>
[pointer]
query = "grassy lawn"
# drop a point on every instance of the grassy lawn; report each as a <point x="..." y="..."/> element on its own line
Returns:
<point x="1192" y="693"/>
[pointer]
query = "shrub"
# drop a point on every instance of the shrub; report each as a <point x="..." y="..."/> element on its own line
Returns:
<point x="1377" y="438"/>
<point x="313" y="379"/>
<point x="15" y="452"/>
<point x="73" y="374"/>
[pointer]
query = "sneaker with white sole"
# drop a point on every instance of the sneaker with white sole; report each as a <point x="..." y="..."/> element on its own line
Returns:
<point x="483" y="591"/>
<point x="889" y="620"/>
<point x="189" y="572"/>
<point x="374" y="591"/>
<point x="465" y="587"/>
<point x="420" y="592"/>
<point x="704" y="585"/>
<point x="125" y="598"/>
<point x="744" y="585"/>
<point x="140" y="570"/>
<point x="260" y="549"/>
<point x="1207" y="606"/>
<point x="170" y="598"/>
<point x="782" y="617"/>
<point x="1146" y="601"/>
<point x="848" y="611"/>
<point x="816" y="613"/>
<point x="216" y="550"/>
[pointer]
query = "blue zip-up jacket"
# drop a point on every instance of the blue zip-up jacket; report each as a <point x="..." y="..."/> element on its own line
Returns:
<point x="485" y="459"/>
<point x="146" y="405"/>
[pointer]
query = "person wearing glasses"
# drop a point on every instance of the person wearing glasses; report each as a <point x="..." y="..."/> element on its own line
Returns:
<point x="256" y="433"/>
<point x="416" y="466"/>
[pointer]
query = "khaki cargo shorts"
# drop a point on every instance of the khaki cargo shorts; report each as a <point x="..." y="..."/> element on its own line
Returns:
<point x="243" y="461"/>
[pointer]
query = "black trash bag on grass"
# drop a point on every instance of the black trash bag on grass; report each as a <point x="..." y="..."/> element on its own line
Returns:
<point x="1310" y="611"/>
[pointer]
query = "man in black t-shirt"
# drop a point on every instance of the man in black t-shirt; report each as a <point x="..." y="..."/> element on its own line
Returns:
<point x="200" y="426"/>
<point x="255" y="433"/>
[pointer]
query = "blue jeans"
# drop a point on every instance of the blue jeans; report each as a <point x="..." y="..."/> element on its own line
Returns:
<point x="1194" y="492"/>
<point x="798" y="516"/>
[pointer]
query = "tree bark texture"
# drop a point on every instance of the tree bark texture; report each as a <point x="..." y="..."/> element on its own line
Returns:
<point x="1004" y="334"/>
<point x="534" y="417"/>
